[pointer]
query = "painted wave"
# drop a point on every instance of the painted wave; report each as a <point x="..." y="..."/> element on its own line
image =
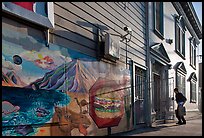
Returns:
<point x="36" y="107"/>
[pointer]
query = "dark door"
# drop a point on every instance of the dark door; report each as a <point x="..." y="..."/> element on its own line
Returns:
<point x="156" y="96"/>
<point x="139" y="95"/>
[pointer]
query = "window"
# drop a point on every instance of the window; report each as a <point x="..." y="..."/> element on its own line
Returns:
<point x="193" y="53"/>
<point x="181" y="77"/>
<point x="180" y="37"/>
<point x="181" y="83"/>
<point x="158" y="19"/>
<point x="193" y="92"/>
<point x="140" y="83"/>
<point x="41" y="13"/>
<point x="139" y="95"/>
<point x="193" y="81"/>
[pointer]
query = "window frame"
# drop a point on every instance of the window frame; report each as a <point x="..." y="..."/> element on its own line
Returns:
<point x="193" y="85"/>
<point x="180" y="38"/>
<point x="180" y="71"/>
<point x="159" y="33"/>
<point x="140" y="78"/>
<point x="15" y="10"/>
<point x="182" y="85"/>
<point x="193" y="97"/>
<point x="192" y="53"/>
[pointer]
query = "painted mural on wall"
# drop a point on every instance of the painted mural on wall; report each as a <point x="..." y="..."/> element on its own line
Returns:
<point x="106" y="96"/>
<point x="59" y="86"/>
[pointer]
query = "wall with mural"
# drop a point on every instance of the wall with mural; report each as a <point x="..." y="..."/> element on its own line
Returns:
<point x="60" y="92"/>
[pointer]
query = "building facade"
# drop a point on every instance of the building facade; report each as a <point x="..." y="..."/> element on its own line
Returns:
<point x="174" y="34"/>
<point x="94" y="68"/>
<point x="59" y="79"/>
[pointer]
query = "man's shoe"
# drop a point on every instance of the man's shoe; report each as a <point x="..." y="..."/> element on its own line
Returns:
<point x="184" y="122"/>
<point x="179" y="123"/>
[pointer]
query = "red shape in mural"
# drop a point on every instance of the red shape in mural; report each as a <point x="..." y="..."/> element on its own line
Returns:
<point x="26" y="5"/>
<point x="106" y="103"/>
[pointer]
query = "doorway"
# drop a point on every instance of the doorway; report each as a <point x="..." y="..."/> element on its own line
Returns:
<point x="156" y="96"/>
<point x="139" y="96"/>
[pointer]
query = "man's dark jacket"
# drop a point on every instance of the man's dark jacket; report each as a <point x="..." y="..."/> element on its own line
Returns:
<point x="180" y="97"/>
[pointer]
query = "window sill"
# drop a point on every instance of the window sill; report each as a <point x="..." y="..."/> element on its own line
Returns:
<point x="192" y="101"/>
<point x="161" y="36"/>
<point x="182" y="56"/>
<point x="193" y="66"/>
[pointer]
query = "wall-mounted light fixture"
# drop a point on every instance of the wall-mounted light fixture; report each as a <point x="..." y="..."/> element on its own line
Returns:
<point x="178" y="17"/>
<point x="170" y="41"/>
<point x="128" y="31"/>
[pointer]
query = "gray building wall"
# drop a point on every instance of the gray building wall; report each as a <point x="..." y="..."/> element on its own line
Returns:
<point x="169" y="33"/>
<point x="200" y="75"/>
<point x="76" y="25"/>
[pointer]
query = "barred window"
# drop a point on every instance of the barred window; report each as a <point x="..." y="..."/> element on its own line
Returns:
<point x="140" y="83"/>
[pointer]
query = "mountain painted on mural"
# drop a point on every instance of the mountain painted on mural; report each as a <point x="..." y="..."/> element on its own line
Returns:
<point x="12" y="79"/>
<point x="72" y="76"/>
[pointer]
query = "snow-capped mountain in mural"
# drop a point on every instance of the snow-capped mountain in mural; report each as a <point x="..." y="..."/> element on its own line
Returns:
<point x="72" y="76"/>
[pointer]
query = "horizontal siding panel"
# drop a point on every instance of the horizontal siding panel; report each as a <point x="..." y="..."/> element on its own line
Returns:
<point x="95" y="19"/>
<point x="135" y="16"/>
<point x="71" y="16"/>
<point x="139" y="54"/>
<point x="74" y="28"/>
<point x="134" y="13"/>
<point x="131" y="56"/>
<point x="139" y="6"/>
<point x="22" y="28"/>
<point x="116" y="17"/>
<point x="59" y="30"/>
<point x="103" y="20"/>
<point x="126" y="17"/>
<point x="58" y="40"/>
<point x="82" y="19"/>
<point x="135" y="47"/>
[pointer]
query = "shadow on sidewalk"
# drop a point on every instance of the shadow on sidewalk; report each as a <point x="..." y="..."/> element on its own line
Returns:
<point x="145" y="129"/>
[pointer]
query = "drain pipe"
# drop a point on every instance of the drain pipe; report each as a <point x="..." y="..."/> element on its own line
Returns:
<point x="147" y="91"/>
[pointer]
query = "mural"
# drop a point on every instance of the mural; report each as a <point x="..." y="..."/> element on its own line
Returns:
<point x="36" y="7"/>
<point x="22" y="108"/>
<point x="74" y="93"/>
<point x="106" y="96"/>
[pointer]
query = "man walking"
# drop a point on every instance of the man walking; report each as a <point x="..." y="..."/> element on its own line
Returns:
<point x="180" y="100"/>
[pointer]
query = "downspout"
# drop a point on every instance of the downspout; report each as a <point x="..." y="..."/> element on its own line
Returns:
<point x="147" y="90"/>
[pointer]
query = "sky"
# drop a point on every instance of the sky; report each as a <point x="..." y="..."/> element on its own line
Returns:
<point x="198" y="9"/>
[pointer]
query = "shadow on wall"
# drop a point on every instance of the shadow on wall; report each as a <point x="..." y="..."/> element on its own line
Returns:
<point x="80" y="42"/>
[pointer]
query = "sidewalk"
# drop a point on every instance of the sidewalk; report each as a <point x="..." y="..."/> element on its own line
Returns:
<point x="192" y="128"/>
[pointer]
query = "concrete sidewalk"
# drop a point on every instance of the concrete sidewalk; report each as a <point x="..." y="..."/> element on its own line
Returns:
<point x="192" y="128"/>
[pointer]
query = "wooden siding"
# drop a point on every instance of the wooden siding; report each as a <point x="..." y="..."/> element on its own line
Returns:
<point x="76" y="25"/>
<point x="18" y="25"/>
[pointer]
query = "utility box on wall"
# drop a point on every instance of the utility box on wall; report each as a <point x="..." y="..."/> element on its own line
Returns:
<point x="112" y="48"/>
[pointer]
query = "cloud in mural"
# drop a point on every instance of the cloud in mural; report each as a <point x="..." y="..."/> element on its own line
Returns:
<point x="45" y="59"/>
<point x="9" y="65"/>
